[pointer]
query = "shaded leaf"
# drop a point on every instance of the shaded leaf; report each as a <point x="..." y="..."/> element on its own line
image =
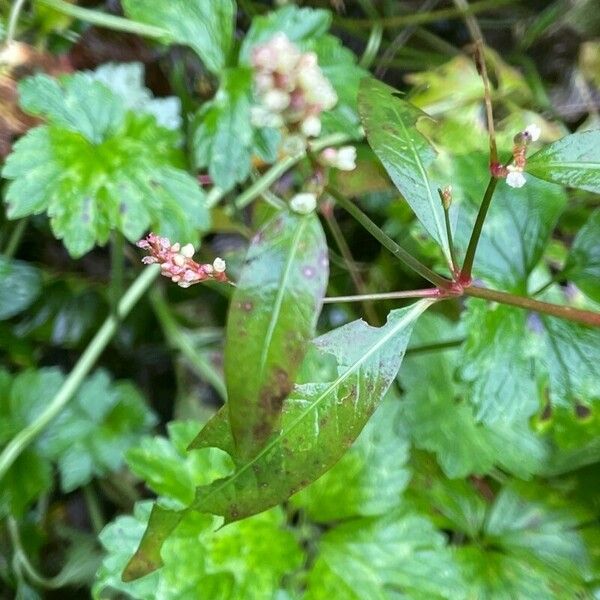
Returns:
<point x="396" y="556"/>
<point x="204" y="25"/>
<point x="390" y="125"/>
<point x="573" y="161"/>
<point x="20" y="285"/>
<point x="583" y="262"/>
<point x="273" y="312"/>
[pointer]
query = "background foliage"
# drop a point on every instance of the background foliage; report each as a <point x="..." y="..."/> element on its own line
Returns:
<point x="468" y="471"/>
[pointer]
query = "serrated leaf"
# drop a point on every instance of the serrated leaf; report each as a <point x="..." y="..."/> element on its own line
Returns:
<point x="20" y="285"/>
<point x="298" y="24"/>
<point x="518" y="226"/>
<point x="92" y="174"/>
<point x="319" y="422"/>
<point x="369" y="479"/>
<point x="204" y="25"/>
<point x="390" y="125"/>
<point x="396" y="556"/>
<point x="439" y="417"/>
<point x="274" y="310"/>
<point x="583" y="262"/>
<point x="91" y="435"/>
<point x="573" y="161"/>
<point x="244" y="561"/>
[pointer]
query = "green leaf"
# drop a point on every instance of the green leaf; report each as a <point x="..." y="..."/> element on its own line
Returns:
<point x="369" y="479"/>
<point x="92" y="433"/>
<point x="518" y="226"/>
<point x="319" y="420"/>
<point x="298" y="24"/>
<point x="274" y="310"/>
<point x="583" y="262"/>
<point x="573" y="161"/>
<point x="223" y="139"/>
<point x="126" y="80"/>
<point x="20" y="285"/>
<point x="245" y="560"/>
<point x="169" y="470"/>
<point x="400" y="555"/>
<point x="204" y="25"/>
<point x="94" y="169"/>
<point x="390" y="125"/>
<point x="439" y="417"/>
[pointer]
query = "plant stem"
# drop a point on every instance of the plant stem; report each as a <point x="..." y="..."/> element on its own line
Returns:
<point x="93" y="508"/>
<point x="359" y="284"/>
<point x="180" y="340"/>
<point x="15" y="238"/>
<point x="428" y="17"/>
<point x="83" y="366"/>
<point x="117" y="264"/>
<point x="399" y="252"/>
<point x="13" y="20"/>
<point x="585" y="317"/>
<point x="279" y="168"/>
<point x="476" y="233"/>
<point x="434" y="347"/>
<point x="446" y="208"/>
<point x="101" y="19"/>
<point x="426" y="293"/>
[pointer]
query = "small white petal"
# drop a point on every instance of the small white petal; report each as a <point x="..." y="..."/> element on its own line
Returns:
<point x="304" y="203"/>
<point x="179" y="260"/>
<point x="515" y="179"/>
<point x="311" y="126"/>
<point x="188" y="250"/>
<point x="276" y="100"/>
<point x="346" y="158"/>
<point x="533" y="131"/>
<point x="219" y="265"/>
<point x="176" y="247"/>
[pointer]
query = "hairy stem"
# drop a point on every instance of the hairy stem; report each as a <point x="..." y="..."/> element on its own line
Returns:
<point x="399" y="252"/>
<point x="101" y="19"/>
<point x="585" y="317"/>
<point x="467" y="268"/>
<point x="83" y="366"/>
<point x="180" y="340"/>
<point x="426" y="293"/>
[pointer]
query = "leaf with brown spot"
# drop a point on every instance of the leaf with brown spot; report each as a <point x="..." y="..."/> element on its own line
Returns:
<point x="274" y="310"/>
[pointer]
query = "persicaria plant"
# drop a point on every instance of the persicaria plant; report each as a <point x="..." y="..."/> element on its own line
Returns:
<point x="375" y="348"/>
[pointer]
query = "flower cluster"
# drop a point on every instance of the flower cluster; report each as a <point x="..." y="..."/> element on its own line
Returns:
<point x="514" y="172"/>
<point x="290" y="86"/>
<point x="343" y="158"/>
<point x="176" y="262"/>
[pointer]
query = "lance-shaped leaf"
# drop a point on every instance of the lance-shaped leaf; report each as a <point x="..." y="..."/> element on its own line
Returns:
<point x="583" y="263"/>
<point x="271" y="321"/>
<point x="390" y="125"/>
<point x="319" y="420"/>
<point x="319" y="423"/>
<point x="573" y="161"/>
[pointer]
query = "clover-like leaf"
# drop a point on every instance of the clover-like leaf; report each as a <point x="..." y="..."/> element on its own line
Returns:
<point x="204" y="25"/>
<point x="96" y="167"/>
<point x="573" y="161"/>
<point x="274" y="310"/>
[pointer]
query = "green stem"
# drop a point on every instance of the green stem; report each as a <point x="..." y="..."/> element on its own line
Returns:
<point x="426" y="293"/>
<point x="427" y="17"/>
<point x="93" y="508"/>
<point x="446" y="208"/>
<point x="117" y="264"/>
<point x="102" y="19"/>
<point x="15" y="238"/>
<point x="178" y="339"/>
<point x="279" y="168"/>
<point x="13" y="20"/>
<point x="476" y="233"/>
<point x="399" y="252"/>
<point x="83" y="366"/>
<point x="585" y="317"/>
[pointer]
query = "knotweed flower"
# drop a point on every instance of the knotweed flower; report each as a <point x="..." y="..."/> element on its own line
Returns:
<point x="514" y="172"/>
<point x="303" y="203"/>
<point x="177" y="264"/>
<point x="343" y="158"/>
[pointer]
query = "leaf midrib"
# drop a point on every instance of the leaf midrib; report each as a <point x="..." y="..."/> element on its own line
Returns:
<point x="410" y="316"/>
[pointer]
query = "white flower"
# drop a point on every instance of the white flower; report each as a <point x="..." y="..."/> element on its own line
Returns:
<point x="304" y="203"/>
<point x="188" y="251"/>
<point x="311" y="126"/>
<point x="276" y="100"/>
<point x="219" y="265"/>
<point x="261" y="117"/>
<point x="533" y="132"/>
<point x="346" y="158"/>
<point x="515" y="179"/>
